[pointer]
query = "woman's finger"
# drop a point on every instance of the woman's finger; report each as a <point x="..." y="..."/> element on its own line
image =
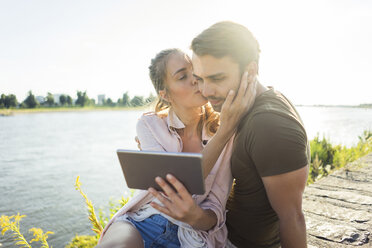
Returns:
<point x="250" y="88"/>
<point x="138" y="142"/>
<point x="173" y="196"/>
<point x="166" y="202"/>
<point x="161" y="209"/>
<point x="226" y="105"/>
<point x="251" y="94"/>
<point x="242" y="89"/>
<point x="182" y="191"/>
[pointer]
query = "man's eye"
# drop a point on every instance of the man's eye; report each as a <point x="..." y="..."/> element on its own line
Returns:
<point x="183" y="77"/>
<point x="218" y="79"/>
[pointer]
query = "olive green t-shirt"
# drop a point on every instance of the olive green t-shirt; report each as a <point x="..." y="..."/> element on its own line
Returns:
<point x="270" y="140"/>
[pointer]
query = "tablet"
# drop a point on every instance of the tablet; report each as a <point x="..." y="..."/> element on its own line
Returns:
<point x="140" y="168"/>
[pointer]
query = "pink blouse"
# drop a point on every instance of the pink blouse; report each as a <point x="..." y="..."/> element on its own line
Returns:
<point x="159" y="134"/>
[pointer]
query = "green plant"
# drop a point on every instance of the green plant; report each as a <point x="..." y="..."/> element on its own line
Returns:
<point x="325" y="157"/>
<point x="90" y="241"/>
<point x="83" y="241"/>
<point x="323" y="149"/>
<point x="97" y="227"/>
<point x="11" y="223"/>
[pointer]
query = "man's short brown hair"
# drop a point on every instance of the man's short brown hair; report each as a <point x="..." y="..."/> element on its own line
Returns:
<point x="227" y="39"/>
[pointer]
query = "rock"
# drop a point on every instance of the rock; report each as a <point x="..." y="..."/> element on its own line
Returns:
<point x="338" y="208"/>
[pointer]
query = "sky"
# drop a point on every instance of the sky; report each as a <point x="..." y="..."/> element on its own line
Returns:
<point x="315" y="52"/>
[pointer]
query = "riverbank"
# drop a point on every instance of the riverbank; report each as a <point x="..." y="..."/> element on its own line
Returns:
<point x="10" y="112"/>
<point x="368" y="106"/>
<point x="13" y="111"/>
<point x="338" y="208"/>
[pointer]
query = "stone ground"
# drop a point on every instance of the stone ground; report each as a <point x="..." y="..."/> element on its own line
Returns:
<point x="338" y="208"/>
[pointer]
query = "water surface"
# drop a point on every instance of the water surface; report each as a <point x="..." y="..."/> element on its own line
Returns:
<point x="41" y="155"/>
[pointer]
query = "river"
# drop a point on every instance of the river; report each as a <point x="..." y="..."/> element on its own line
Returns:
<point x="41" y="155"/>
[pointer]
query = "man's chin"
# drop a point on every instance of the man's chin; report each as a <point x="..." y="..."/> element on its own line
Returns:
<point x="217" y="107"/>
<point x="217" y="103"/>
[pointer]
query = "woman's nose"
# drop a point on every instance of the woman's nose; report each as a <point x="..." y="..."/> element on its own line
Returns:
<point x="194" y="81"/>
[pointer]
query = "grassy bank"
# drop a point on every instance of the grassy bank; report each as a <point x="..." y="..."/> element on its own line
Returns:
<point x="326" y="157"/>
<point x="9" y="112"/>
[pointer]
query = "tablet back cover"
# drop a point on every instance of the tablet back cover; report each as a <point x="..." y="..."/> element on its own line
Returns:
<point x="140" y="169"/>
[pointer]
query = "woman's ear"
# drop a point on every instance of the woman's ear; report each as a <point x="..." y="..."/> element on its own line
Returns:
<point x="163" y="95"/>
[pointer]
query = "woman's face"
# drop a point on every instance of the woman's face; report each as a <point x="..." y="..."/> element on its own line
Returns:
<point x="182" y="88"/>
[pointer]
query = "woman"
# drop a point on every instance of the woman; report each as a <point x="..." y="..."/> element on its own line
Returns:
<point x="183" y="122"/>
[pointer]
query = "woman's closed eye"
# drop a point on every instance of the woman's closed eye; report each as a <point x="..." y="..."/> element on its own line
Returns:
<point x="183" y="77"/>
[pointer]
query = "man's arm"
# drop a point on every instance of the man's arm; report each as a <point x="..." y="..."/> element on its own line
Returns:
<point x="285" y="195"/>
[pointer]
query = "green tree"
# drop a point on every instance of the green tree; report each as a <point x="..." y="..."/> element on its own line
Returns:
<point x="2" y="101"/>
<point x="151" y="98"/>
<point x="8" y="101"/>
<point x="12" y="101"/>
<point x="82" y="99"/>
<point x="109" y="102"/>
<point x="30" y="101"/>
<point x="126" y="99"/>
<point x="49" y="99"/>
<point x="62" y="100"/>
<point x="137" y="101"/>
<point x="68" y="100"/>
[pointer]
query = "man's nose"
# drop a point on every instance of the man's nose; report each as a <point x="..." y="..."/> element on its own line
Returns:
<point x="206" y="90"/>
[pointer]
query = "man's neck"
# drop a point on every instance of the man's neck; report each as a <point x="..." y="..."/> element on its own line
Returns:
<point x="261" y="89"/>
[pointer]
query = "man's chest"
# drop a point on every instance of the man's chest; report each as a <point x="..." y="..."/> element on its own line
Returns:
<point x="243" y="169"/>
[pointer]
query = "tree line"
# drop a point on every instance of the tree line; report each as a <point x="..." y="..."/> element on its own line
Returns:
<point x="82" y="100"/>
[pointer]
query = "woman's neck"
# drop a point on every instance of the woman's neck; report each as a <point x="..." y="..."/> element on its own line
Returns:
<point x="190" y="118"/>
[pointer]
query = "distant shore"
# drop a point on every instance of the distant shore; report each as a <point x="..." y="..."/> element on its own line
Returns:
<point x="337" y="106"/>
<point x="14" y="111"/>
<point x="9" y="112"/>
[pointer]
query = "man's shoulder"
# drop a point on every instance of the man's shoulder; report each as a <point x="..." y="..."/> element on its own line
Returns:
<point x="270" y="111"/>
<point x="266" y="121"/>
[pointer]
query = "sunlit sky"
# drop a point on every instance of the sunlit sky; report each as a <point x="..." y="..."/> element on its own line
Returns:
<point x="315" y="52"/>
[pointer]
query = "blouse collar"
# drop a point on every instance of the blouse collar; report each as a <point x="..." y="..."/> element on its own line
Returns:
<point x="174" y="122"/>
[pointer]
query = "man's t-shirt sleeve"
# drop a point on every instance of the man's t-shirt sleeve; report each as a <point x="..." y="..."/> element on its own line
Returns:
<point x="277" y="144"/>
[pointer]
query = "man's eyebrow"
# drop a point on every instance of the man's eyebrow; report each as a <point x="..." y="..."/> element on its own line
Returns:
<point x="179" y="70"/>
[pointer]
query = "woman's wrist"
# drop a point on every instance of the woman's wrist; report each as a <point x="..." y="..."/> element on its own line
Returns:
<point x="203" y="219"/>
<point x="223" y="135"/>
<point x="196" y="217"/>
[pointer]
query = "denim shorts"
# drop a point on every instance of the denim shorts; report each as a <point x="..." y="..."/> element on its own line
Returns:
<point x="157" y="232"/>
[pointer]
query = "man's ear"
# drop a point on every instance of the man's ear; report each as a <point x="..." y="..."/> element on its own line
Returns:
<point x="163" y="95"/>
<point x="252" y="69"/>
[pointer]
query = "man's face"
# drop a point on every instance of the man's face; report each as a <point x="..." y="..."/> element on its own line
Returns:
<point x="216" y="77"/>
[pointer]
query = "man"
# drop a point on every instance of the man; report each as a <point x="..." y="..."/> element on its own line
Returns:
<point x="270" y="155"/>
